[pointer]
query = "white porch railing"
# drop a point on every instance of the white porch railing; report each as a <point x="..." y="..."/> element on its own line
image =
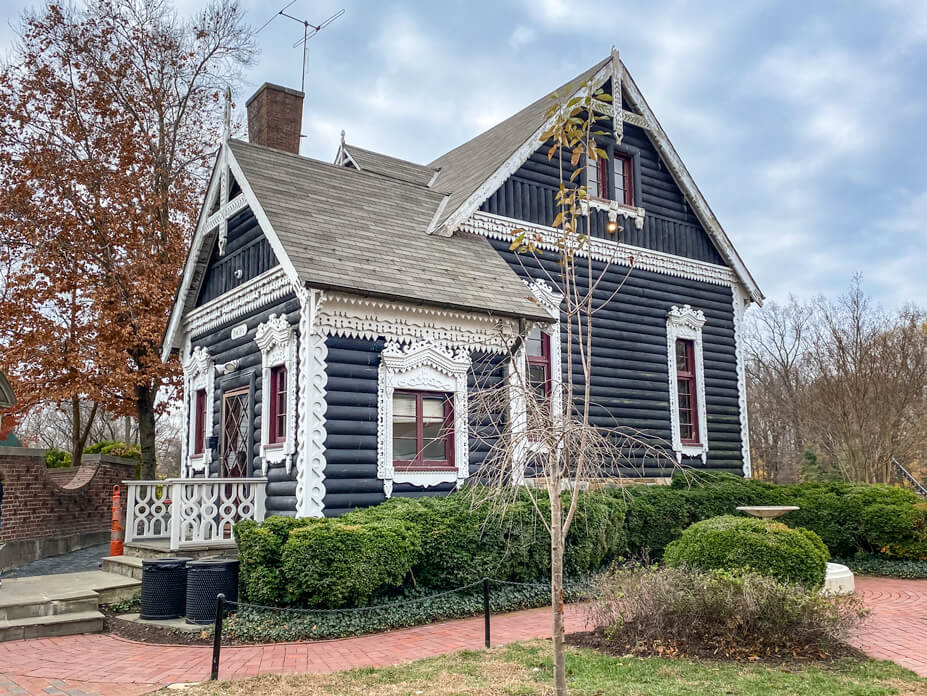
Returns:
<point x="192" y="512"/>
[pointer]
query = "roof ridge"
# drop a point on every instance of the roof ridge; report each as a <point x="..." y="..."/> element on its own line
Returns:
<point x="348" y="146"/>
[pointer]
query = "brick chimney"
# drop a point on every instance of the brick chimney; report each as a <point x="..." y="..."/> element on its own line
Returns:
<point x="275" y="117"/>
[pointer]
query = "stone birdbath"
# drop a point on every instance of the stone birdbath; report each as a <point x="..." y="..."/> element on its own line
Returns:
<point x="767" y="512"/>
<point x="838" y="579"/>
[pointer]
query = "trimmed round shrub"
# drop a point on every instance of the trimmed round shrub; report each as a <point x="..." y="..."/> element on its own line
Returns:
<point x="740" y="543"/>
<point x="260" y="551"/>
<point x="331" y="563"/>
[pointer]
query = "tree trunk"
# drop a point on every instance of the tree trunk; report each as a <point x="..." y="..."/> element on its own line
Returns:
<point x="79" y="432"/>
<point x="144" y="403"/>
<point x="556" y="588"/>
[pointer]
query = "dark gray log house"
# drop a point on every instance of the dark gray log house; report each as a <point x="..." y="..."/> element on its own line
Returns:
<point x="330" y="316"/>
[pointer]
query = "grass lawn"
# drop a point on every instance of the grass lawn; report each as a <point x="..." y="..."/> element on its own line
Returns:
<point x="524" y="669"/>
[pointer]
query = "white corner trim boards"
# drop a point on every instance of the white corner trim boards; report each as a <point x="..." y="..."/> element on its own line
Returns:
<point x="277" y="342"/>
<point x="740" y="300"/>
<point x="686" y="323"/>
<point x="198" y="374"/>
<point x="311" y="431"/>
<point x="425" y="367"/>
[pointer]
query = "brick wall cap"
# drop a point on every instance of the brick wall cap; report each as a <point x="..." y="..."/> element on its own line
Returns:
<point x="109" y="459"/>
<point x="22" y="452"/>
<point x="278" y="88"/>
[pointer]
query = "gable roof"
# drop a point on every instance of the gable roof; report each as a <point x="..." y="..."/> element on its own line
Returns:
<point x="363" y="233"/>
<point x="392" y="167"/>
<point x="467" y="167"/>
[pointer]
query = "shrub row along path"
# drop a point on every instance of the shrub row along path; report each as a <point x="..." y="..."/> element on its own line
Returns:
<point x="103" y="664"/>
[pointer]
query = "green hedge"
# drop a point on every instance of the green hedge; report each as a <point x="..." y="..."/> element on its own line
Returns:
<point x="442" y="542"/>
<point x="433" y="543"/>
<point x="741" y="543"/>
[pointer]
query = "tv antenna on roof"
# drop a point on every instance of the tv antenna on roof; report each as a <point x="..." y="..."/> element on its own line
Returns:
<point x="309" y="30"/>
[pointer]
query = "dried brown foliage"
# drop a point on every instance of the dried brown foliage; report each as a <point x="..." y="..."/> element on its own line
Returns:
<point x="108" y="116"/>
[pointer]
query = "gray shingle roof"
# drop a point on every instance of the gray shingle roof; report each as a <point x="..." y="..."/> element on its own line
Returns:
<point x="392" y="167"/>
<point x="466" y="167"/>
<point x="364" y="233"/>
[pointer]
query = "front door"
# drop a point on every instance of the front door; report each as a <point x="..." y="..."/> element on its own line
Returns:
<point x="235" y="434"/>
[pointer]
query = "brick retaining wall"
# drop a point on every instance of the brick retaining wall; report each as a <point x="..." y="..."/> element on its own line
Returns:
<point x="47" y="512"/>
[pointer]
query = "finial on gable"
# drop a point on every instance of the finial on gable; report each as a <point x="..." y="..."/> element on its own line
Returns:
<point x="227" y="117"/>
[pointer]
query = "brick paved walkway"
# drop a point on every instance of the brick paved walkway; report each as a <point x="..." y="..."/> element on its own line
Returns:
<point x="897" y="627"/>
<point x="110" y="666"/>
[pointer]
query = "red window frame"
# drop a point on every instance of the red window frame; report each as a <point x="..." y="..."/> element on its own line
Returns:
<point x="419" y="463"/>
<point x="627" y="168"/>
<point x="199" y="423"/>
<point x="278" y="402"/>
<point x="543" y="360"/>
<point x="688" y="376"/>
<point x="602" y="165"/>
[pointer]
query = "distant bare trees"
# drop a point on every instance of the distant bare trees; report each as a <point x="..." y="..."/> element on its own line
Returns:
<point x="837" y="388"/>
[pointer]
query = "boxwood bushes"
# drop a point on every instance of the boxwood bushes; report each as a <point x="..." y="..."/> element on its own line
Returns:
<point x="436" y="543"/>
<point x="405" y="544"/>
<point x="742" y="544"/>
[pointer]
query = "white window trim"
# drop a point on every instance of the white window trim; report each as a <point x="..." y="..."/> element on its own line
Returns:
<point x="686" y="323"/>
<point x="421" y="366"/>
<point x="277" y="342"/>
<point x="198" y="374"/>
<point x="550" y="300"/>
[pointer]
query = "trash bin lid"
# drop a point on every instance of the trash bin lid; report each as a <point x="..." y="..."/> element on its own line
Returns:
<point x="165" y="563"/>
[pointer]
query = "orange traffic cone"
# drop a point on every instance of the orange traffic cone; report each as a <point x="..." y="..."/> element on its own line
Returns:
<point x="115" y="535"/>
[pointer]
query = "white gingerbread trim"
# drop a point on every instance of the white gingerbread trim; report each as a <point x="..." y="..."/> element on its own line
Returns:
<point x="277" y="342"/>
<point x="686" y="323"/>
<point x="614" y="210"/>
<point x="311" y="431"/>
<point x="607" y="250"/>
<point x="226" y="167"/>
<point x="740" y="301"/>
<point x="198" y="373"/>
<point x="354" y="316"/>
<point x="423" y="367"/>
<point x="262" y="290"/>
<point x="550" y="299"/>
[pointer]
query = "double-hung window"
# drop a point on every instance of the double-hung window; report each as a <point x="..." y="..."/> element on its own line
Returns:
<point x="687" y="393"/>
<point x="278" y="406"/>
<point x="611" y="178"/>
<point x="537" y="355"/>
<point x="199" y="428"/>
<point x="423" y="430"/>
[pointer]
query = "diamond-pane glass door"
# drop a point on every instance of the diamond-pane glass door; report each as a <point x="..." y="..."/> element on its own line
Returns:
<point x="235" y="434"/>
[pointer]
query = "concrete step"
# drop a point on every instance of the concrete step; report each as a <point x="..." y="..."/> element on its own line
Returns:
<point x="49" y="626"/>
<point x="59" y="605"/>
<point x="38" y="607"/>
<point x="160" y="549"/>
<point x="128" y="566"/>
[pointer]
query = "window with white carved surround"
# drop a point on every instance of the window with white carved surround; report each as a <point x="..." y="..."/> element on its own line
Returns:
<point x="547" y="336"/>
<point x="277" y="342"/>
<point x="685" y="363"/>
<point x="423" y="368"/>
<point x="198" y="378"/>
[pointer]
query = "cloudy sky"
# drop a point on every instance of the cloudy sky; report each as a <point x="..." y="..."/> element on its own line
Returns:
<point x="802" y="122"/>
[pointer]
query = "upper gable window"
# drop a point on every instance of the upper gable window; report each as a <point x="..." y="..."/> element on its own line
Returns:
<point x="611" y="178"/>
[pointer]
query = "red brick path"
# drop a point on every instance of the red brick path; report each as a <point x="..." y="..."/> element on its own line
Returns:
<point x="897" y="627"/>
<point x="105" y="665"/>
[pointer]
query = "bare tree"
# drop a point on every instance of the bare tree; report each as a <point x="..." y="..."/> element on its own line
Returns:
<point x="841" y="382"/>
<point x="539" y="429"/>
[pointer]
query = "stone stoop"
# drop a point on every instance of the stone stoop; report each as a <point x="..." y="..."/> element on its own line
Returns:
<point x="160" y="549"/>
<point x="128" y="566"/>
<point x="43" y="606"/>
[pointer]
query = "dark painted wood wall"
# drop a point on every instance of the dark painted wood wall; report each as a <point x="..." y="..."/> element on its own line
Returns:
<point x="247" y="250"/>
<point x="281" y="487"/>
<point x="630" y="383"/>
<point x="351" y="422"/>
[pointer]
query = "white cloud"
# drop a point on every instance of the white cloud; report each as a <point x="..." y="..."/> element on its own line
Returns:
<point x="521" y="36"/>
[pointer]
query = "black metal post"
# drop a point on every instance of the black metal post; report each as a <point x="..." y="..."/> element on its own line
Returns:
<point x="486" y="608"/>
<point x="217" y="636"/>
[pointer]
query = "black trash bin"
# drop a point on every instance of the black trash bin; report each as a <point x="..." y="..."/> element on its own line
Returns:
<point x="164" y="588"/>
<point x="206" y="579"/>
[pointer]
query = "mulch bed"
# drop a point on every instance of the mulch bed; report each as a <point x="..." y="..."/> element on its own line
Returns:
<point x="707" y="650"/>
<point x="143" y="633"/>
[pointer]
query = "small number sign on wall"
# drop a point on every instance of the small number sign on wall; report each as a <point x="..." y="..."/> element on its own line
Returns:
<point x="239" y="331"/>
